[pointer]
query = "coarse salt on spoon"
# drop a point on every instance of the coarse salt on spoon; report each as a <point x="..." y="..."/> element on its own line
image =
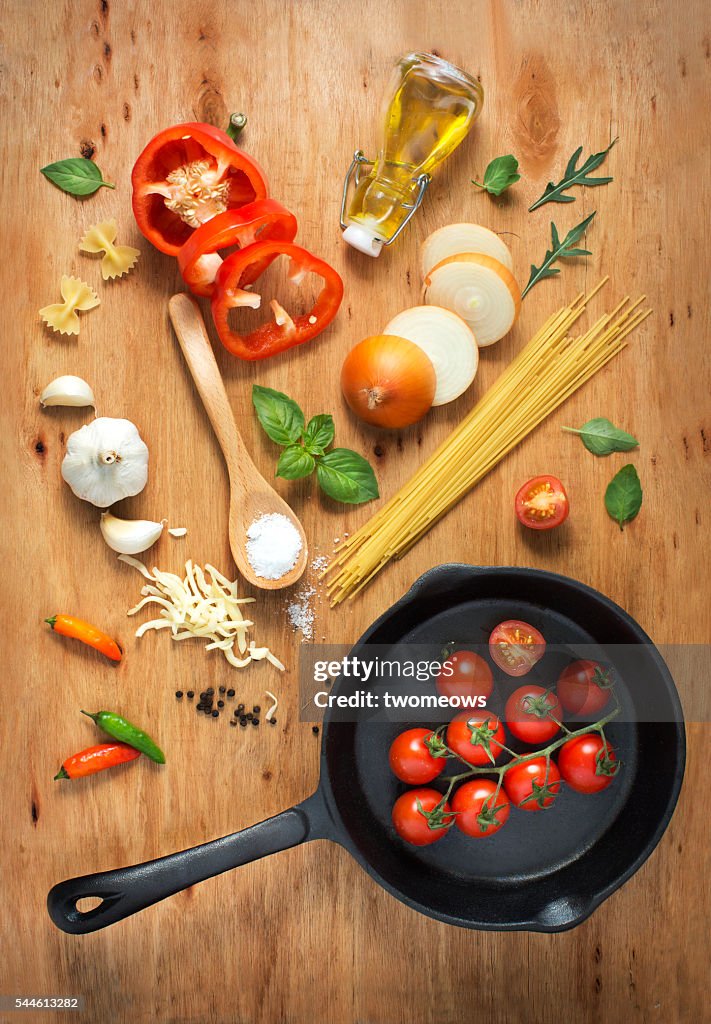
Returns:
<point x="251" y="497"/>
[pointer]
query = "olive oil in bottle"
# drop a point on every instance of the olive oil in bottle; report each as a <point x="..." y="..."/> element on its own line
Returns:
<point x="432" y="108"/>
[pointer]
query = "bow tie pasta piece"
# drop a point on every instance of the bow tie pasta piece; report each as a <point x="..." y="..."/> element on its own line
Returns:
<point x="118" y="259"/>
<point x="62" y="316"/>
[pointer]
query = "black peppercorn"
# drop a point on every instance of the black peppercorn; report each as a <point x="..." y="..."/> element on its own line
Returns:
<point x="243" y="721"/>
<point x="222" y="689"/>
<point x="255" y="721"/>
<point x="230" y="693"/>
<point x="190" y="694"/>
<point x="272" y="721"/>
<point x="256" y="709"/>
<point x="220" y="703"/>
<point x="178" y="694"/>
<point x="210" y="690"/>
<point x="233" y="722"/>
<point x="240" y="707"/>
<point x="249" y="716"/>
<point x="215" y="714"/>
<point x="315" y="730"/>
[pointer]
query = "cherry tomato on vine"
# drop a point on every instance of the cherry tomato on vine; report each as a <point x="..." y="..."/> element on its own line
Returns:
<point x="584" y="687"/>
<point x="516" y="646"/>
<point x="473" y="735"/>
<point x="411" y="760"/>
<point x="414" y="826"/>
<point x="542" y="503"/>
<point x="531" y="785"/>
<point x="586" y="764"/>
<point x="478" y="813"/>
<point x="528" y="712"/>
<point x="470" y="676"/>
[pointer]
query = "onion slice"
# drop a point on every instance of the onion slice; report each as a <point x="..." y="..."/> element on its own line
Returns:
<point x="478" y="288"/>
<point x="456" y="239"/>
<point x="449" y="343"/>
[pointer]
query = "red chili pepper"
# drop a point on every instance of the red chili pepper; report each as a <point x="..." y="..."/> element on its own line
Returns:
<point x="263" y="220"/>
<point x="67" y="625"/>
<point x="95" y="759"/>
<point x="187" y="175"/>
<point x="283" y="332"/>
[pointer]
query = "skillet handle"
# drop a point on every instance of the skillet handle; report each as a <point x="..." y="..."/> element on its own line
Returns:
<point x="125" y="891"/>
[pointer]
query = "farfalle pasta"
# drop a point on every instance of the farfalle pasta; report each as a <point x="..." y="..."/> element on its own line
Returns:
<point x="117" y="259"/>
<point x="62" y="316"/>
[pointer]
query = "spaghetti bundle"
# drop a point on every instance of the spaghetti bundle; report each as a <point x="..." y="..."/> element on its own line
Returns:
<point x="547" y="371"/>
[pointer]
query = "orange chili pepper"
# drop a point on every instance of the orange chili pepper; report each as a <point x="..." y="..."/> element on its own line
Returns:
<point x="67" y="625"/>
<point x="95" y="759"/>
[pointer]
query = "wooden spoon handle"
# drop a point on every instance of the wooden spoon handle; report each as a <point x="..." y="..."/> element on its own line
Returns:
<point x="190" y="328"/>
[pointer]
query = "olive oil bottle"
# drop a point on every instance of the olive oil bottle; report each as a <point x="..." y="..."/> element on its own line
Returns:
<point x="430" y="110"/>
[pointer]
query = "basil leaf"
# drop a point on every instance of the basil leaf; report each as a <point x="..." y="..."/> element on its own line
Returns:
<point x="623" y="497"/>
<point x="295" y="463"/>
<point x="499" y="175"/>
<point x="319" y="433"/>
<point x="280" y="416"/>
<point x="601" y="437"/>
<point x="346" y="476"/>
<point x="77" y="176"/>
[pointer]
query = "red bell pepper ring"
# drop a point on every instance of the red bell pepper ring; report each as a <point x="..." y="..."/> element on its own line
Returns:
<point x="284" y="331"/>
<point x="187" y="175"/>
<point x="264" y="220"/>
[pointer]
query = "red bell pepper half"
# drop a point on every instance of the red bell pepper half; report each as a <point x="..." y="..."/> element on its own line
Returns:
<point x="284" y="331"/>
<point x="187" y="175"/>
<point x="264" y="220"/>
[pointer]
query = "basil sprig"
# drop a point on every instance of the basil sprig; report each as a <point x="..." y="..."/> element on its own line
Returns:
<point x="77" y="176"/>
<point x="601" y="437"/>
<point x="342" y="474"/>
<point x="623" y="497"/>
<point x="501" y="173"/>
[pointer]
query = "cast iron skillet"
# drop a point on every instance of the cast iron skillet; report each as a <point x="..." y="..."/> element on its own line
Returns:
<point x="543" y="872"/>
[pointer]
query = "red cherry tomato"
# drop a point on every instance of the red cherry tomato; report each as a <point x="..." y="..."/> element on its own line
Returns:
<point x="583" y="688"/>
<point x="411" y="760"/>
<point x="542" y="503"/>
<point x="412" y="825"/>
<point x="477" y="813"/>
<point x="516" y="646"/>
<point x="469" y="735"/>
<point x="531" y="786"/>
<point x="465" y="674"/>
<point x="528" y="712"/>
<point x="586" y="765"/>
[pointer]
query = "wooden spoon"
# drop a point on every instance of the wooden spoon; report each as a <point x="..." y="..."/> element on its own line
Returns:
<point x="250" y="494"/>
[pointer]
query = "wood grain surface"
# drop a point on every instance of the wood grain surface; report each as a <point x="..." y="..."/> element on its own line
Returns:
<point x="306" y="936"/>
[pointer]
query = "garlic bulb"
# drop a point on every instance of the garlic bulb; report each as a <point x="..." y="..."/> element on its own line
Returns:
<point x="129" y="536"/>
<point x="106" y="461"/>
<point x="67" y="390"/>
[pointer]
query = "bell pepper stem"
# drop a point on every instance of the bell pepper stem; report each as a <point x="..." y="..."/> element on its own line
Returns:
<point x="237" y="123"/>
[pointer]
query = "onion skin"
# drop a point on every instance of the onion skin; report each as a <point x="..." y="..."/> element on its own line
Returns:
<point x="388" y="381"/>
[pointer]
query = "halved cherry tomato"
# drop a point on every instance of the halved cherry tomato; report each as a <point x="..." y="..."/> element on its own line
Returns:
<point x="532" y="785"/>
<point x="410" y="758"/>
<point x="476" y="738"/>
<point x="478" y="814"/>
<point x="470" y="676"/>
<point x="586" y="764"/>
<point x="584" y="687"/>
<point x="187" y="175"/>
<point x="542" y="503"/>
<point x="264" y="220"/>
<point x="414" y="826"/>
<point x="283" y="332"/>
<point x="516" y="646"/>
<point x="528" y="714"/>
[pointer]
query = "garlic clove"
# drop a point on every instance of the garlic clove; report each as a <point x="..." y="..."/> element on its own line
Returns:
<point x="67" y="390"/>
<point x="129" y="536"/>
<point x="177" y="531"/>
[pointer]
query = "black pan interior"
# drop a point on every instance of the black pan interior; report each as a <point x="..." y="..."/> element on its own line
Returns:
<point x="545" y="870"/>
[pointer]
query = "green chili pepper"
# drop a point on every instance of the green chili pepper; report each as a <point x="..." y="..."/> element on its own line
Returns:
<point x="123" y="730"/>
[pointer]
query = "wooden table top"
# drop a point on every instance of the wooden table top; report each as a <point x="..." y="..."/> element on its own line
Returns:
<point x="306" y="935"/>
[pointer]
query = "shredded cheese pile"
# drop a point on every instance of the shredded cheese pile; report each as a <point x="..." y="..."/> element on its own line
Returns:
<point x="196" y="607"/>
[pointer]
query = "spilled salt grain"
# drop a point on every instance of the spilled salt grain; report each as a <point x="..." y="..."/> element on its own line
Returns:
<point x="300" y="610"/>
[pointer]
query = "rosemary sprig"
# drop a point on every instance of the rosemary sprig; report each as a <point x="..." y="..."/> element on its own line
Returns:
<point x="558" y="251"/>
<point x="555" y="193"/>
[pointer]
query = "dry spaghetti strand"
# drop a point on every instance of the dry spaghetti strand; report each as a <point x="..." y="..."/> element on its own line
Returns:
<point x="547" y="371"/>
